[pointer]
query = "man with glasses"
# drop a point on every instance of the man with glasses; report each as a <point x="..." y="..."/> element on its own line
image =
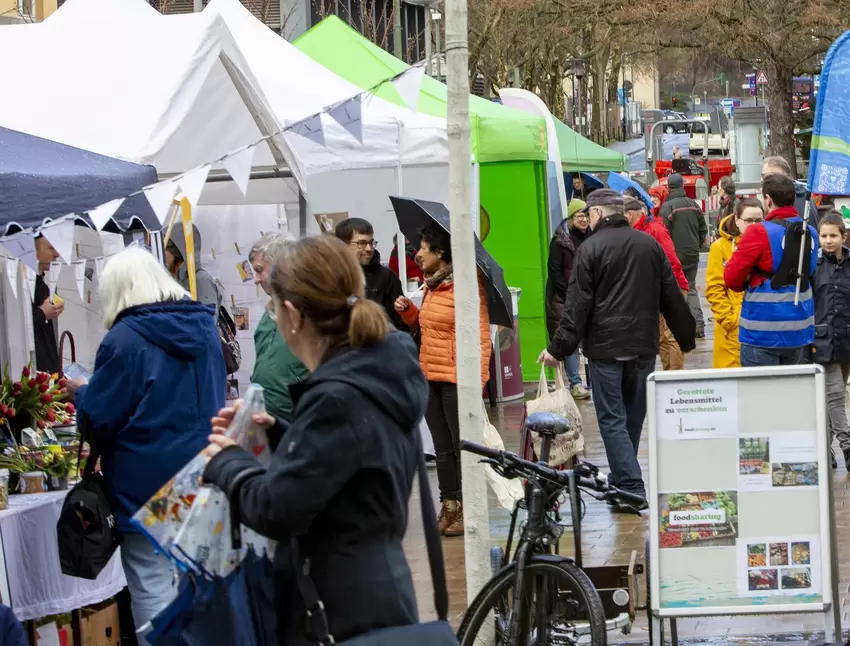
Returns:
<point x="382" y="285"/>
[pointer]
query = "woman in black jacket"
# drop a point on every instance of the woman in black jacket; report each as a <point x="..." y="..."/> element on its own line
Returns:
<point x="341" y="476"/>
<point x="562" y="250"/>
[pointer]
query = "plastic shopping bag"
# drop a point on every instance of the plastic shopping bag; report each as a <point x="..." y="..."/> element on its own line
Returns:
<point x="203" y="540"/>
<point x="507" y="491"/>
<point x="162" y="517"/>
<point x="560" y="402"/>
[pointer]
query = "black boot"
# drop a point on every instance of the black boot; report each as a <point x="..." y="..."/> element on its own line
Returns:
<point x="847" y="460"/>
<point x="832" y="457"/>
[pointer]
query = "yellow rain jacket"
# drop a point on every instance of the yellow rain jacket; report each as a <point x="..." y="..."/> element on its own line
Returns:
<point x="725" y="304"/>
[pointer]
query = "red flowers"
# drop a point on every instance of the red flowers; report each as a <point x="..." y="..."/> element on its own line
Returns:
<point x="45" y="399"/>
<point x="42" y="378"/>
<point x="51" y="415"/>
<point x="63" y="382"/>
<point x="70" y="409"/>
<point x="43" y="388"/>
<point x="12" y="412"/>
<point x="4" y="410"/>
<point x="26" y="371"/>
<point x="41" y="424"/>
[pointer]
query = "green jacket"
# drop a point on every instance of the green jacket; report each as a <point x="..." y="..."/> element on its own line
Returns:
<point x="275" y="368"/>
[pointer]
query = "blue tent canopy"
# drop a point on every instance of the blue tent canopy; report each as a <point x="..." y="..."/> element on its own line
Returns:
<point x="42" y="180"/>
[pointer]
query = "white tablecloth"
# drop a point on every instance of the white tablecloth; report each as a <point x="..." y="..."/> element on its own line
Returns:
<point x="31" y="580"/>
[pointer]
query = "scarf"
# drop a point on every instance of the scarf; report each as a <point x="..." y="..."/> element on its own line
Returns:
<point x="439" y="277"/>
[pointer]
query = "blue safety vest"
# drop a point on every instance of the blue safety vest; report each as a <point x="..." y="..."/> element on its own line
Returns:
<point x="769" y="318"/>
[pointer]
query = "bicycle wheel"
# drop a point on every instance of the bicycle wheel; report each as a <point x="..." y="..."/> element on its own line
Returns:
<point x="560" y="605"/>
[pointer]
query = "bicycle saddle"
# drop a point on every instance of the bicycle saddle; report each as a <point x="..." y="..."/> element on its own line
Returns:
<point x="547" y="424"/>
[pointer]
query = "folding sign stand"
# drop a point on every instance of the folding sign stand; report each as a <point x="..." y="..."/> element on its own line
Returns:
<point x="740" y="494"/>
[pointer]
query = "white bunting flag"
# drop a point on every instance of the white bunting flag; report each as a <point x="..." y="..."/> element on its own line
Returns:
<point x="192" y="183"/>
<point x="12" y="273"/>
<point x="160" y="197"/>
<point x="61" y="235"/>
<point x="21" y="246"/>
<point x="31" y="280"/>
<point x="349" y="116"/>
<point x="409" y="86"/>
<point x="80" y="276"/>
<point x="52" y="277"/>
<point x="99" y="264"/>
<point x="102" y="214"/>
<point x="311" y="129"/>
<point x="239" y="166"/>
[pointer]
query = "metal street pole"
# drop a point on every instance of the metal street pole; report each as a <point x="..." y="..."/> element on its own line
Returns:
<point x="468" y="340"/>
<point x="397" y="50"/>
<point x="428" y="53"/>
<point x="438" y="21"/>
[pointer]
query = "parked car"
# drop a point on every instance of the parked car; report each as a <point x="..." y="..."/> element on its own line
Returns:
<point x="676" y="123"/>
<point x="718" y="136"/>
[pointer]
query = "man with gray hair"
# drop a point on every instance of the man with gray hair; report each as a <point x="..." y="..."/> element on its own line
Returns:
<point x="780" y="166"/>
<point x="275" y="368"/>
<point x="621" y="283"/>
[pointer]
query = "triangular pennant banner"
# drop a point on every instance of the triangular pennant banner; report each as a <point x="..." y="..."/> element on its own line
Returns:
<point x="31" y="280"/>
<point x="311" y="129"/>
<point x="349" y="116"/>
<point x="160" y="197"/>
<point x="409" y="86"/>
<point x="192" y="183"/>
<point x="21" y="246"/>
<point x="12" y="273"/>
<point x="99" y="264"/>
<point x="53" y="276"/>
<point x="239" y="167"/>
<point x="102" y="214"/>
<point x="80" y="276"/>
<point x="61" y="235"/>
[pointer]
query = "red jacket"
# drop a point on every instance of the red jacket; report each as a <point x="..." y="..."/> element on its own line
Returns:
<point x="753" y="253"/>
<point x="414" y="271"/>
<point x="662" y="236"/>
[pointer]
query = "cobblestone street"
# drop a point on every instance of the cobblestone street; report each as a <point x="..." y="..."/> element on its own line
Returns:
<point x="610" y="539"/>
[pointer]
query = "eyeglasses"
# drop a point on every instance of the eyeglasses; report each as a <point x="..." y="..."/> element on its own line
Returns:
<point x="752" y="220"/>
<point x="580" y="216"/>
<point x="363" y="244"/>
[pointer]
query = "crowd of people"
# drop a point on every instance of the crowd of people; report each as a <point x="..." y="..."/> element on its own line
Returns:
<point x="624" y="290"/>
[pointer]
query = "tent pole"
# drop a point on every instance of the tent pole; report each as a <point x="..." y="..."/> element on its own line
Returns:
<point x="302" y="213"/>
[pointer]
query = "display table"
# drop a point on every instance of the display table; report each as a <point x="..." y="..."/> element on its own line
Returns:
<point x="31" y="580"/>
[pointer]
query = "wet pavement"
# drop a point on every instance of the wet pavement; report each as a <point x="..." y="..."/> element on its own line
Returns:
<point x="610" y="539"/>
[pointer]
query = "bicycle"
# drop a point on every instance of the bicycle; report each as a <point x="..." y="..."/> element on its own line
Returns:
<point x="541" y="598"/>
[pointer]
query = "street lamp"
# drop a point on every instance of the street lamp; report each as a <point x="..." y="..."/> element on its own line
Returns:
<point x="577" y="67"/>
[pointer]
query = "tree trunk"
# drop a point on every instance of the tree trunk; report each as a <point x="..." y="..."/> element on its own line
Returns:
<point x="595" y="99"/>
<point x="781" y="119"/>
<point x="612" y="104"/>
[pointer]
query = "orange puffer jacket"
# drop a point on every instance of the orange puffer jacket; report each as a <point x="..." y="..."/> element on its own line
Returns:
<point x="436" y="319"/>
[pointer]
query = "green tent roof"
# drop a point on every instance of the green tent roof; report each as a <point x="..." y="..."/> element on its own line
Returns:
<point x="581" y="154"/>
<point x="498" y="133"/>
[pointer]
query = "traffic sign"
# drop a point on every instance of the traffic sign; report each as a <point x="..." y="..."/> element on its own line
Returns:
<point x="761" y="79"/>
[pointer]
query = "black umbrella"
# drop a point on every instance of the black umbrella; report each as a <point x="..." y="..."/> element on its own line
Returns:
<point x="414" y="215"/>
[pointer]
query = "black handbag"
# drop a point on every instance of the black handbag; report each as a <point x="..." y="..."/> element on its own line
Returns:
<point x="432" y="633"/>
<point x="86" y="531"/>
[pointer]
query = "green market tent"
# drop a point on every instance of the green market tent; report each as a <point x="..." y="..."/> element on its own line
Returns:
<point x="581" y="154"/>
<point x="511" y="149"/>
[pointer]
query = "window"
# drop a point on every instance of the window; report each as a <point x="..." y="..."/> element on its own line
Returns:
<point x="26" y="8"/>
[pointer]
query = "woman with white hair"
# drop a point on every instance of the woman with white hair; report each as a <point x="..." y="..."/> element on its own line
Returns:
<point x="158" y="378"/>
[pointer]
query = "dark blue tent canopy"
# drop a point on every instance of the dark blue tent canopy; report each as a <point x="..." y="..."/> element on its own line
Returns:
<point x="42" y="180"/>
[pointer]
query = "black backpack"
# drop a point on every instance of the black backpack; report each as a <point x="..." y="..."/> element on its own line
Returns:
<point x="229" y="345"/>
<point x="797" y="237"/>
<point x="86" y="530"/>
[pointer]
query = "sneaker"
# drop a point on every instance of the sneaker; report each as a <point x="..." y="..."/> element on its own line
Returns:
<point x="578" y="392"/>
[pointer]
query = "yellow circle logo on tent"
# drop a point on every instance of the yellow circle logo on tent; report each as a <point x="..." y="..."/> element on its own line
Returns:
<point x="484" y="223"/>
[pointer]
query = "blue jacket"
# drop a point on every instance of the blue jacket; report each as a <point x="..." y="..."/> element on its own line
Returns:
<point x="158" y="378"/>
<point x="832" y="308"/>
<point x="769" y="318"/>
<point x="11" y="631"/>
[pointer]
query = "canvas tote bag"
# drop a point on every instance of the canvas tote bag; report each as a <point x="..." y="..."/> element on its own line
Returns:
<point x="560" y="402"/>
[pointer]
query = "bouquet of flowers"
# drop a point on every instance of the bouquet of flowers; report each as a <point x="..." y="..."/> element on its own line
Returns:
<point x="36" y="400"/>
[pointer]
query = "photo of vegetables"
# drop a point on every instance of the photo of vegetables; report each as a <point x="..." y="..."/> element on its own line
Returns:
<point x="801" y="554"/>
<point x="754" y="456"/>
<point x="756" y="555"/>
<point x="795" y="474"/>
<point x="779" y="554"/>
<point x="698" y="519"/>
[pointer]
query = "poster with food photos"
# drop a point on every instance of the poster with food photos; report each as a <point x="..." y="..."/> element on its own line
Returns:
<point x="784" y="565"/>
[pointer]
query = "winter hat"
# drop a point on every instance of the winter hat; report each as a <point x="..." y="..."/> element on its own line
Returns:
<point x="675" y="181"/>
<point x="575" y="206"/>
<point x="604" y="197"/>
<point x="632" y="204"/>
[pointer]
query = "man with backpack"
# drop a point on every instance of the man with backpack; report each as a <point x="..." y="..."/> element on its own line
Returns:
<point x="773" y="330"/>
<point x="686" y="223"/>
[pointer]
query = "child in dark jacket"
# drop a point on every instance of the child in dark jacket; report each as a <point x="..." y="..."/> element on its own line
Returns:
<point x="832" y="325"/>
<point x="11" y="631"/>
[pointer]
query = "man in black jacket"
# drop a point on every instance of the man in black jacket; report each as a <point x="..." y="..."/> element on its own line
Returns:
<point x="686" y="222"/>
<point x="45" y="312"/>
<point x="620" y="284"/>
<point x="382" y="285"/>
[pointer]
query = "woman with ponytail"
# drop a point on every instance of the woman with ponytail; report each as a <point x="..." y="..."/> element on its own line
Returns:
<point x="342" y="474"/>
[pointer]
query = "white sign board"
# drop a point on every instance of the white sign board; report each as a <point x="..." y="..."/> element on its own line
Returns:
<point x="740" y="493"/>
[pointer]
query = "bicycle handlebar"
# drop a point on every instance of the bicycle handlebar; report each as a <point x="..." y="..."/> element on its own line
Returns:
<point x="511" y="460"/>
